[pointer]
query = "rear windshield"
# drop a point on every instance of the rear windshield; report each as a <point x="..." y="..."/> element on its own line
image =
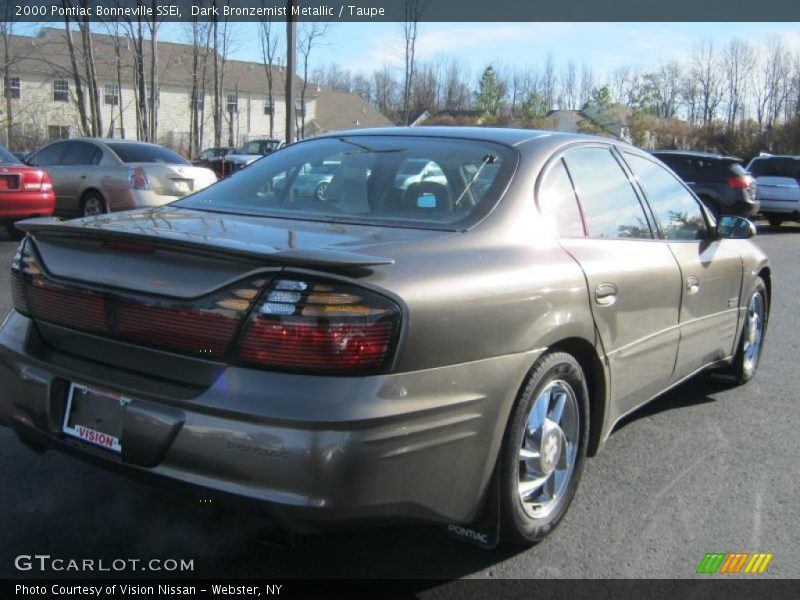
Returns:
<point x="775" y="167"/>
<point x="367" y="182"/>
<point x="7" y="158"/>
<point x="145" y="153"/>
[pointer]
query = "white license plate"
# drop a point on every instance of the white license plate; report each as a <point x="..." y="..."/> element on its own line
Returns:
<point x="95" y="416"/>
<point x="182" y="186"/>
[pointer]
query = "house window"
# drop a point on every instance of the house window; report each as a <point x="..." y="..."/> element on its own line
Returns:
<point x="300" y="109"/>
<point x="12" y="87"/>
<point x="198" y="103"/>
<point x="60" y="90"/>
<point x="233" y="103"/>
<point x="269" y="109"/>
<point x="111" y="94"/>
<point x="57" y="132"/>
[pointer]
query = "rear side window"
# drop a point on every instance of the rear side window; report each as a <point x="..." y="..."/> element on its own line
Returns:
<point x="775" y="167"/>
<point x="676" y="210"/>
<point x="145" y="153"/>
<point x="559" y="204"/>
<point x="610" y="204"/>
<point x="81" y="153"/>
<point x="49" y="155"/>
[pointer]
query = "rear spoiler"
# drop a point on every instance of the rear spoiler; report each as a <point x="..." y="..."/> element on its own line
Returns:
<point x="297" y="257"/>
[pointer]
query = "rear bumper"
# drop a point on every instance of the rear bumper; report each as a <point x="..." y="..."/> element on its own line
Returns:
<point x="780" y="206"/>
<point x="314" y="451"/>
<point x="21" y="205"/>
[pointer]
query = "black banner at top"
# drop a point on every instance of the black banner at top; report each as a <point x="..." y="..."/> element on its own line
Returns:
<point x="366" y="11"/>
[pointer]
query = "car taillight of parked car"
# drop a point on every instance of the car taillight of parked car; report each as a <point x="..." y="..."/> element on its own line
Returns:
<point x="36" y="180"/>
<point x="138" y="179"/>
<point x="739" y="183"/>
<point x="321" y="326"/>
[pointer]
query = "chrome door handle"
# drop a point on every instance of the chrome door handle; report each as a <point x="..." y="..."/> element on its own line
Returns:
<point x="606" y="294"/>
<point x="692" y="285"/>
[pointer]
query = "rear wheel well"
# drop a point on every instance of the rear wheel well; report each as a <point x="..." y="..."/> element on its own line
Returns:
<point x="94" y="191"/>
<point x="766" y="275"/>
<point x="586" y="355"/>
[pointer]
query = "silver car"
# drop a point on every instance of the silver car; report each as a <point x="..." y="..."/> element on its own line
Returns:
<point x="451" y="352"/>
<point x="92" y="176"/>
<point x="778" y="186"/>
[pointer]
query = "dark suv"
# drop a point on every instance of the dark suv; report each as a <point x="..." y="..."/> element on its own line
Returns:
<point x="721" y="182"/>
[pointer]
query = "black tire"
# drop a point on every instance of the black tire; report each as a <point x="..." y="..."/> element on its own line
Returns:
<point x="90" y="200"/>
<point x="13" y="232"/>
<point x="517" y="525"/>
<point x="745" y="364"/>
<point x="775" y="222"/>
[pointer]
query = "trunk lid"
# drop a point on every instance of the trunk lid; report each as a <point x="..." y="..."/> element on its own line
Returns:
<point x="175" y="180"/>
<point x="186" y="253"/>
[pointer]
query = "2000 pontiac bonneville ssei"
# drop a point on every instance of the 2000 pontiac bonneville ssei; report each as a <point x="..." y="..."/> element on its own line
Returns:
<point x="383" y="352"/>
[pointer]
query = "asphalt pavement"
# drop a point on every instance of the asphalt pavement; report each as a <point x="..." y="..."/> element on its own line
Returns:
<point x="705" y="468"/>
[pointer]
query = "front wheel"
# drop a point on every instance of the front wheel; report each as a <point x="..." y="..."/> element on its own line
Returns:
<point x="748" y="354"/>
<point x="543" y="450"/>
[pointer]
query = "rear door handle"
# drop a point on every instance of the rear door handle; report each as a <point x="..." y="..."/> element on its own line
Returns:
<point x="606" y="294"/>
<point x="692" y="285"/>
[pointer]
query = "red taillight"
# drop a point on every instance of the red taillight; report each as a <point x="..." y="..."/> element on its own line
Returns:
<point x="323" y="327"/>
<point x="738" y="183"/>
<point x="36" y="180"/>
<point x="206" y="328"/>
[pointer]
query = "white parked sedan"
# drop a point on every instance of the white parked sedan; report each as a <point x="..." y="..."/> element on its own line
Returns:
<point x="92" y="176"/>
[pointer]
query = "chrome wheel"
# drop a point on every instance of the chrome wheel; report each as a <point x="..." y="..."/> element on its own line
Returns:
<point x="93" y="206"/>
<point x="753" y="334"/>
<point x="548" y="449"/>
<point x="320" y="191"/>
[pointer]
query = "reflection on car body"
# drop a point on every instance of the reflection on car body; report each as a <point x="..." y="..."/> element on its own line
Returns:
<point x="408" y="351"/>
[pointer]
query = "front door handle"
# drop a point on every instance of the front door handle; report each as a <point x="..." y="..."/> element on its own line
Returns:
<point x="606" y="294"/>
<point x="692" y="285"/>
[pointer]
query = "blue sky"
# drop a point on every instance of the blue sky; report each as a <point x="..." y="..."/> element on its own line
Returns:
<point x="604" y="46"/>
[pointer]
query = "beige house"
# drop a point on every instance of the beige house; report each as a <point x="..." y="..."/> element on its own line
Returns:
<point x="42" y="90"/>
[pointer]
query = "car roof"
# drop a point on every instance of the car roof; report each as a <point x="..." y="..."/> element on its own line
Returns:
<point x="509" y="136"/>
<point x="781" y="156"/>
<point x="697" y="154"/>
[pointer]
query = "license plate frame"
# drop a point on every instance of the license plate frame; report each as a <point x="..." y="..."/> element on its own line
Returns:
<point x="95" y="416"/>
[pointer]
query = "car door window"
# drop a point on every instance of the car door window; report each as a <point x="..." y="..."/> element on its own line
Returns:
<point x="81" y="153"/>
<point x="558" y="202"/>
<point x="49" y="155"/>
<point x="610" y="205"/>
<point x="677" y="211"/>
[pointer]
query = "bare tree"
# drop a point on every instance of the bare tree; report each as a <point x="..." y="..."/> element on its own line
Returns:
<point x="310" y="36"/>
<point x="705" y="69"/>
<point x="737" y="63"/>
<point x="7" y="29"/>
<point x="412" y="12"/>
<point x="586" y="85"/>
<point x="548" y="82"/>
<point x="269" y="57"/>
<point x="90" y="77"/>
<point x="385" y="86"/>
<point x="569" y="87"/>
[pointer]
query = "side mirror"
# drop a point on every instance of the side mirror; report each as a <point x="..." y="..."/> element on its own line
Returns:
<point x="736" y="228"/>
